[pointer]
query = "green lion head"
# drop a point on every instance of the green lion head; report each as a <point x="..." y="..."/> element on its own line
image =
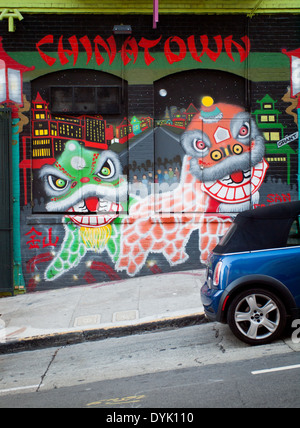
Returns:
<point x="86" y="185"/>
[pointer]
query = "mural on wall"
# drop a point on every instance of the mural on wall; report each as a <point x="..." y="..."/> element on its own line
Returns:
<point x="217" y="175"/>
<point x="221" y="169"/>
<point x="105" y="209"/>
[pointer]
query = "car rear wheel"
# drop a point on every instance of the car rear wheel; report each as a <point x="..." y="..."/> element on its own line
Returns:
<point x="256" y="316"/>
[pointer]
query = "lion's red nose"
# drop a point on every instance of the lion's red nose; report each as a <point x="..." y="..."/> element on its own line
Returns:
<point x="92" y="204"/>
<point x="237" y="177"/>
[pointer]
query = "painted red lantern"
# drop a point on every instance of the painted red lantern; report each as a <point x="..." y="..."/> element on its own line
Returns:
<point x="11" y="79"/>
<point x="294" y="57"/>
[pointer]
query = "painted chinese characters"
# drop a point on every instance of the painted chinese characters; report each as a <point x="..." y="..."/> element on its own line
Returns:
<point x="35" y="239"/>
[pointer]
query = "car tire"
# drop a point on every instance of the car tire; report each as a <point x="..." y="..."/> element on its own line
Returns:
<point x="257" y="316"/>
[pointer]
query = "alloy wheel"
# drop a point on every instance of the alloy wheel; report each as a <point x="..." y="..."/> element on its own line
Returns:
<point x="256" y="316"/>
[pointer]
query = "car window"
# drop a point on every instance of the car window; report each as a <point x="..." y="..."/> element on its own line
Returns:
<point x="225" y="239"/>
<point x="294" y="235"/>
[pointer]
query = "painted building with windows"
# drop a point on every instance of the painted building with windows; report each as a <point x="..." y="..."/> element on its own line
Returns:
<point x="132" y="134"/>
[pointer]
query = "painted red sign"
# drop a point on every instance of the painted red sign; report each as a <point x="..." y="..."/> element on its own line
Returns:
<point x="175" y="49"/>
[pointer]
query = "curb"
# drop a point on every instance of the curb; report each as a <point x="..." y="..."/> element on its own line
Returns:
<point x="81" y="336"/>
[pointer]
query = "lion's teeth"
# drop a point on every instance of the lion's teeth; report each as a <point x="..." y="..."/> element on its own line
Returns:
<point x="93" y="221"/>
<point x="103" y="205"/>
<point x="80" y="207"/>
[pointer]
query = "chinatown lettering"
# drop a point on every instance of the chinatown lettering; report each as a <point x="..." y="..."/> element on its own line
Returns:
<point x="175" y="49"/>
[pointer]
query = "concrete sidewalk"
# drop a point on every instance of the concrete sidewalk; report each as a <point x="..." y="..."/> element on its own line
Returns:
<point x="77" y="314"/>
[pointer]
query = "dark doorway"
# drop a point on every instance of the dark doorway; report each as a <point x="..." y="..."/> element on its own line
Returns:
<point x="6" y="268"/>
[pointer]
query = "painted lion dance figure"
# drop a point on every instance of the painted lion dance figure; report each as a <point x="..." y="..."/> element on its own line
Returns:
<point x="222" y="171"/>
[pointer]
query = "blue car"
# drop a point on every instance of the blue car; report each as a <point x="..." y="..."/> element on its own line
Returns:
<point x="253" y="274"/>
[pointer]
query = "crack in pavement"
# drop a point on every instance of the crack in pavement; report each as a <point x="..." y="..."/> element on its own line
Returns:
<point x="48" y="367"/>
<point x="220" y="337"/>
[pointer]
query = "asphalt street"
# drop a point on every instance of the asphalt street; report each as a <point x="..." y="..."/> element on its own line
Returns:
<point x="182" y="368"/>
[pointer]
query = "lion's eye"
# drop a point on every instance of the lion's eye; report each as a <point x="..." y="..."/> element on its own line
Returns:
<point x="244" y="130"/>
<point x="199" y="145"/>
<point x="107" y="170"/>
<point x="57" y="183"/>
